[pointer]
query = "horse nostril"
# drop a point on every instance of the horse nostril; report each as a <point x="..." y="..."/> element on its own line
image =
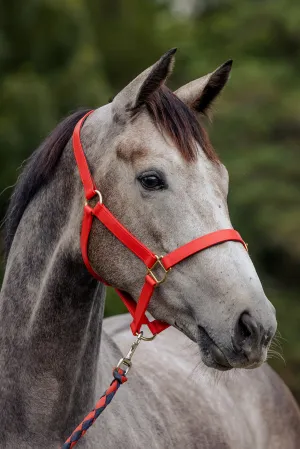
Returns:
<point x="247" y="334"/>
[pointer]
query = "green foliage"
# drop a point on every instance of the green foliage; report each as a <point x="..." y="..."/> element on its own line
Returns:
<point x="56" y="56"/>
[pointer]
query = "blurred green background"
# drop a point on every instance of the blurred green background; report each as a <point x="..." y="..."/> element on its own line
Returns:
<point x="57" y="55"/>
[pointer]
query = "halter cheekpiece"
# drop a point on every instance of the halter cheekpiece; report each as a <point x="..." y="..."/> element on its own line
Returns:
<point x="157" y="267"/>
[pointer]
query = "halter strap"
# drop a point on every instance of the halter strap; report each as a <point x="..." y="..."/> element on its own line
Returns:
<point x="199" y="244"/>
<point x="122" y="234"/>
<point x="157" y="268"/>
<point x="84" y="171"/>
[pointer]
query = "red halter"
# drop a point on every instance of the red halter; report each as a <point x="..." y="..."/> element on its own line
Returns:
<point x="151" y="260"/>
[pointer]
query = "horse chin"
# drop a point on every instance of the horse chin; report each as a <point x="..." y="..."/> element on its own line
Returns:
<point x="212" y="356"/>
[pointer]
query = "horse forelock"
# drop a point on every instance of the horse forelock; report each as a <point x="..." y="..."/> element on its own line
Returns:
<point x="179" y="122"/>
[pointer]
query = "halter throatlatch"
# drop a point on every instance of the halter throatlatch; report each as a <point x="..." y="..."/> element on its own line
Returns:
<point x="157" y="267"/>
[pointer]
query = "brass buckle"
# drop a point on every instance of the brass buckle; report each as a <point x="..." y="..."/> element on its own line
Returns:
<point x="165" y="272"/>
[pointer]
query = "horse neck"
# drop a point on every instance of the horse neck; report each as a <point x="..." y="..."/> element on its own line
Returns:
<point x="51" y="313"/>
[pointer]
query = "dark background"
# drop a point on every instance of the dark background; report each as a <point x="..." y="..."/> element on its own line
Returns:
<point x="58" y="55"/>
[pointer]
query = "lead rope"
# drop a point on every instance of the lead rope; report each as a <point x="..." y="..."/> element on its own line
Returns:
<point x="120" y="378"/>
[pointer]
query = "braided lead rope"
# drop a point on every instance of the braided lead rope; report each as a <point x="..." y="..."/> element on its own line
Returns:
<point x="119" y="379"/>
<point x="106" y="398"/>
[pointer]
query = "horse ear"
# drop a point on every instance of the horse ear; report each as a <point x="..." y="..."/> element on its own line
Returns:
<point x="200" y="93"/>
<point x="136" y="93"/>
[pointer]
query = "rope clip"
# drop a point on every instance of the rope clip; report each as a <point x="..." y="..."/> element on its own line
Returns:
<point x="125" y="363"/>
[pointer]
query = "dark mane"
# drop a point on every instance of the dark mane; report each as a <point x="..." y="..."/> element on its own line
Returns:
<point x="37" y="172"/>
<point x="171" y="115"/>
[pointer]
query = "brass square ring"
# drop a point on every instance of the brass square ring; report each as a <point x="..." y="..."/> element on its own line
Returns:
<point x="159" y="263"/>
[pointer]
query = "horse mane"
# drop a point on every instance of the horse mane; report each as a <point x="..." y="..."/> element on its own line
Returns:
<point x="37" y="172"/>
<point x="179" y="121"/>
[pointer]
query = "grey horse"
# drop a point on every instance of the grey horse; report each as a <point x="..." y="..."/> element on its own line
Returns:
<point x="160" y="176"/>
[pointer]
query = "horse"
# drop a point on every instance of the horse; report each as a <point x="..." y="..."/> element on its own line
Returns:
<point x="195" y="385"/>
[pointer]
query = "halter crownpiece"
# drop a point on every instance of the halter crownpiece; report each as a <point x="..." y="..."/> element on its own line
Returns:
<point x="157" y="267"/>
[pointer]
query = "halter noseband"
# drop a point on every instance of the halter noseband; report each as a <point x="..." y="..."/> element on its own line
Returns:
<point x="151" y="260"/>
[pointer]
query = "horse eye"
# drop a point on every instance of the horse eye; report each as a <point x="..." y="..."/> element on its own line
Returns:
<point x="151" y="181"/>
